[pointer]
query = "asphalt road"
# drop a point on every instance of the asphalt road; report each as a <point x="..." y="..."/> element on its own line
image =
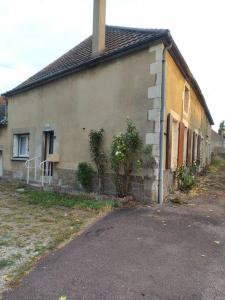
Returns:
<point x="147" y="253"/>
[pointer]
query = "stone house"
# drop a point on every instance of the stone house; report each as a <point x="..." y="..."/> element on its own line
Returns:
<point x="115" y="73"/>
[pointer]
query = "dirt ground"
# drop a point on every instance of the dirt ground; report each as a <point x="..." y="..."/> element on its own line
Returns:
<point x="28" y="231"/>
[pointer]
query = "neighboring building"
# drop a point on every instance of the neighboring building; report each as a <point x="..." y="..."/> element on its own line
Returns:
<point x="3" y="111"/>
<point x="3" y="123"/>
<point x="217" y="143"/>
<point x="118" y="72"/>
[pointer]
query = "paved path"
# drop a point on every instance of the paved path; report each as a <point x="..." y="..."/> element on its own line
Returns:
<point x="147" y="253"/>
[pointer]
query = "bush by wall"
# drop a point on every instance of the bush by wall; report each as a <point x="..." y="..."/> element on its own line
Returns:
<point x="84" y="175"/>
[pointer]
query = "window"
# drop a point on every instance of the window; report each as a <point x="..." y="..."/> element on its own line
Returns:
<point x="186" y="100"/>
<point x="21" y="145"/>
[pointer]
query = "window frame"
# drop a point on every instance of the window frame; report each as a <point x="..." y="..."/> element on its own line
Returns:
<point x="186" y="88"/>
<point x="18" y="137"/>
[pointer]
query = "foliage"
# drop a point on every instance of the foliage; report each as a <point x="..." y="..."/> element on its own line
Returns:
<point x="97" y="154"/>
<point x="187" y="177"/>
<point x="50" y="199"/>
<point x="221" y="130"/>
<point x="125" y="156"/>
<point x="84" y="175"/>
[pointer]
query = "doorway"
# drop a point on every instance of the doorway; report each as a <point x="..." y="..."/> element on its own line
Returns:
<point x="48" y="149"/>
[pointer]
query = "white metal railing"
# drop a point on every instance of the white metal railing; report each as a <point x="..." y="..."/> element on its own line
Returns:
<point x="29" y="167"/>
<point x="46" y="168"/>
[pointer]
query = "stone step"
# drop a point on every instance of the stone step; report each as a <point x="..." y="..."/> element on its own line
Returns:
<point x="35" y="185"/>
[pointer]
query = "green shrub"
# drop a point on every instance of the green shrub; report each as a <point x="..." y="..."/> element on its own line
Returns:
<point x="186" y="177"/>
<point x="125" y="156"/>
<point x="84" y="175"/>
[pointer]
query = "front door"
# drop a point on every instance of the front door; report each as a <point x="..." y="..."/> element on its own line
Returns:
<point x="48" y="149"/>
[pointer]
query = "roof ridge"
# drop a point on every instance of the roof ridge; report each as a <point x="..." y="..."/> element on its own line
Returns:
<point x="138" y="29"/>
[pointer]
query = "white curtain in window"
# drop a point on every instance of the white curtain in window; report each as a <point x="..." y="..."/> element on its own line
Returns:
<point x="23" y="145"/>
<point x="15" y="145"/>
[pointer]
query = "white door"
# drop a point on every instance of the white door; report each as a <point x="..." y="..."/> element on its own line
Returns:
<point x="1" y="164"/>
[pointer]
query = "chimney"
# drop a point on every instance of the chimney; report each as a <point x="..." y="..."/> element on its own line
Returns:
<point x="98" y="37"/>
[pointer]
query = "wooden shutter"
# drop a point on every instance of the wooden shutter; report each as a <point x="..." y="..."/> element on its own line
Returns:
<point x="169" y="142"/>
<point x="199" y="150"/>
<point x="180" y="158"/>
<point x="189" y="147"/>
<point x="193" y="147"/>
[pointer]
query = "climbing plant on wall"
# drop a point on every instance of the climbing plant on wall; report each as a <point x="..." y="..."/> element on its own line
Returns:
<point x="97" y="154"/>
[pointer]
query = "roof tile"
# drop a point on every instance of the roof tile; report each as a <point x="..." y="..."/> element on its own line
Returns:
<point x="117" y="38"/>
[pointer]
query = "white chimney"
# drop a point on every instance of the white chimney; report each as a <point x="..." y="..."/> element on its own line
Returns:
<point x="98" y="37"/>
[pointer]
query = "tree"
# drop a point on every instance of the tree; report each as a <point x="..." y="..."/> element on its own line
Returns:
<point x="221" y="130"/>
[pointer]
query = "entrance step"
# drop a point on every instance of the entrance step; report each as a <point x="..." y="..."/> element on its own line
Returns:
<point x="35" y="185"/>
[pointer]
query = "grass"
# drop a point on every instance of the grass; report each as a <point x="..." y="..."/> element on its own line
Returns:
<point x="217" y="162"/>
<point x="7" y="262"/>
<point x="50" y="199"/>
<point x="28" y="232"/>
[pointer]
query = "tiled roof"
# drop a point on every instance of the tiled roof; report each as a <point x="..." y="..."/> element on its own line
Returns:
<point x="118" y="39"/>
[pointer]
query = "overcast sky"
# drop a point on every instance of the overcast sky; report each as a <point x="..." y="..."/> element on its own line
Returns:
<point x="34" y="33"/>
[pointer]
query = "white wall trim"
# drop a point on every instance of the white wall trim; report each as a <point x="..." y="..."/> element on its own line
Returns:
<point x="175" y="116"/>
<point x="186" y="124"/>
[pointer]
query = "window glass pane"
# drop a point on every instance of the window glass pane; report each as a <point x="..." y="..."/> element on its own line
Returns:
<point x="23" y="140"/>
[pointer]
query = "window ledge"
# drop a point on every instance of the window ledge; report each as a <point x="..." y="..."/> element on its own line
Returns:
<point x="19" y="158"/>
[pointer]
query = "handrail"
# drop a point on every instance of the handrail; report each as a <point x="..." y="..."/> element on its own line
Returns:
<point x="48" y="169"/>
<point x="27" y="165"/>
<point x="29" y="160"/>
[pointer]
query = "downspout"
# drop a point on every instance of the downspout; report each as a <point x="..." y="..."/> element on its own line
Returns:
<point x="161" y="136"/>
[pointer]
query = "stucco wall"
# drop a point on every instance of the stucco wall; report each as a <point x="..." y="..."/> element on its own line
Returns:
<point x="100" y="97"/>
<point x="175" y="82"/>
<point x="196" y="118"/>
<point x="103" y="97"/>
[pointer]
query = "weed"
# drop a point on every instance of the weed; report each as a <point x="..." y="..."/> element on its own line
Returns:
<point x="186" y="178"/>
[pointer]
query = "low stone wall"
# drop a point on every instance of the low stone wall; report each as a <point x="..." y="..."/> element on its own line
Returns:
<point x="67" y="181"/>
<point x="217" y="143"/>
<point x="169" y="182"/>
<point x="218" y="150"/>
